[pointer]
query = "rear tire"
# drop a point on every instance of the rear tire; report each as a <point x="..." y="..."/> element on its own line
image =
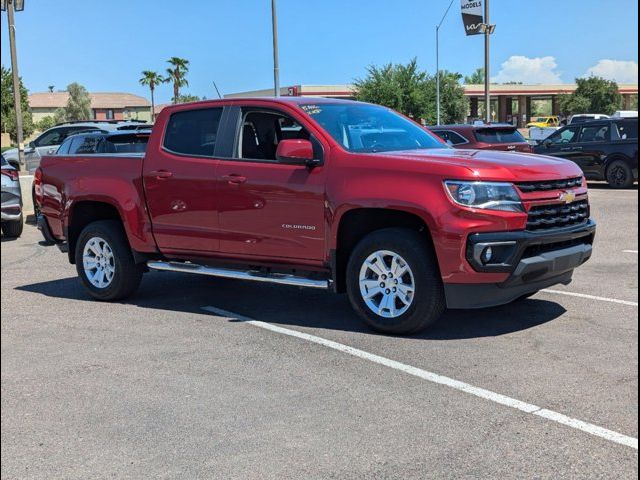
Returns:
<point x="13" y="228"/>
<point x="393" y="282"/>
<point x="105" y="263"/>
<point x="619" y="175"/>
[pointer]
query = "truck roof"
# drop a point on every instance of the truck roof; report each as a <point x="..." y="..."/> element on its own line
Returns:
<point x="276" y="100"/>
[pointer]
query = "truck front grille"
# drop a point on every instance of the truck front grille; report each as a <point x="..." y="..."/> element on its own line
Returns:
<point x="558" y="215"/>
<point x="530" y="187"/>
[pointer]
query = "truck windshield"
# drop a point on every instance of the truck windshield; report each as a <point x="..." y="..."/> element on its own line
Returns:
<point x="370" y="128"/>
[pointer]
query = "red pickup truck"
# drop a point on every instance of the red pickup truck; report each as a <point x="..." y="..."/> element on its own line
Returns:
<point x="320" y="193"/>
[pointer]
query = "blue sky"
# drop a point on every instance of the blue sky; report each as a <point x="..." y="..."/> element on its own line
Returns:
<point x="106" y="44"/>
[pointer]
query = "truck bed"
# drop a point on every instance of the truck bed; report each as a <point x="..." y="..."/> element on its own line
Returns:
<point x="116" y="179"/>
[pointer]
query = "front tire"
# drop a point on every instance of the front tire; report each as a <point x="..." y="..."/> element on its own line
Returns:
<point x="13" y="228"/>
<point x="104" y="261"/>
<point x="393" y="282"/>
<point x="619" y="175"/>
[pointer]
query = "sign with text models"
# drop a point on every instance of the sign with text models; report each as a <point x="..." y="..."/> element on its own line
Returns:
<point x="472" y="16"/>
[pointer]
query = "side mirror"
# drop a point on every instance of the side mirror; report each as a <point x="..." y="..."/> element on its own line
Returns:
<point x="297" y="152"/>
<point x="31" y="145"/>
<point x="546" y="143"/>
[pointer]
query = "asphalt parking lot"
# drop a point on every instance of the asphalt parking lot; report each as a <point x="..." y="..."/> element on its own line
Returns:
<point x="160" y="387"/>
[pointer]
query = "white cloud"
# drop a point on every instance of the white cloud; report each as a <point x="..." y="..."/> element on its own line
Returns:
<point x="618" y="70"/>
<point x="523" y="69"/>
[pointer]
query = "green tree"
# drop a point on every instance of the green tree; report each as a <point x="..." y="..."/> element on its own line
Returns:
<point x="401" y="87"/>
<point x="176" y="74"/>
<point x="189" y="98"/>
<point x="592" y="95"/>
<point x="152" y="80"/>
<point x="46" y="123"/>
<point x="7" y="109"/>
<point x="79" y="103"/>
<point x="413" y="92"/>
<point x="476" y="78"/>
<point x="453" y="104"/>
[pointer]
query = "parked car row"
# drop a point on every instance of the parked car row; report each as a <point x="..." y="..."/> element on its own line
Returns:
<point x="605" y="149"/>
<point x="47" y="142"/>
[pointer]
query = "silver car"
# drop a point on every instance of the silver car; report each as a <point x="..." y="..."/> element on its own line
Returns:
<point x="12" y="221"/>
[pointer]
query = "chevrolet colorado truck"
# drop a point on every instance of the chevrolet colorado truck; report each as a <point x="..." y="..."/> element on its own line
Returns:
<point x="320" y="193"/>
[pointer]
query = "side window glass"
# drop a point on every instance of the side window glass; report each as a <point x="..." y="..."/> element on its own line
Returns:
<point x="64" y="148"/>
<point x="596" y="133"/>
<point x="52" y="137"/>
<point x="193" y="132"/>
<point x="627" y="130"/>
<point x="456" y="138"/>
<point x="261" y="131"/>
<point x="443" y="135"/>
<point x="567" y="135"/>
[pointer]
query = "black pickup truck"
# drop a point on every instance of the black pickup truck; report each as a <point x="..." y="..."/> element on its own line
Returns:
<point x="603" y="149"/>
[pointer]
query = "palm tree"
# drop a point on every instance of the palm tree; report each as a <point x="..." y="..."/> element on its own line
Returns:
<point x="176" y="74"/>
<point x="152" y="79"/>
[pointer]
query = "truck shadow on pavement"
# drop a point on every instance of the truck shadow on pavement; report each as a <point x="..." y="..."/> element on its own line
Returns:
<point x="292" y="306"/>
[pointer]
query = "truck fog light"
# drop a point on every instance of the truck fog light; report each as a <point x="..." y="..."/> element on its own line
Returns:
<point x="487" y="255"/>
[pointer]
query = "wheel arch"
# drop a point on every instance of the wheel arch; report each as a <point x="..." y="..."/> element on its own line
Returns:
<point x="355" y="223"/>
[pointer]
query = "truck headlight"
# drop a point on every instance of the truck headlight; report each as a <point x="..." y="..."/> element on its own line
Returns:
<point x="485" y="195"/>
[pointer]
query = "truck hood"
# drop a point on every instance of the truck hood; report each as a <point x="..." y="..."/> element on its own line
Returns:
<point x="10" y="153"/>
<point x="496" y="165"/>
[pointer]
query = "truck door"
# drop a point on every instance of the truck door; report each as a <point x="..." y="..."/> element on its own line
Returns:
<point x="269" y="209"/>
<point x="179" y="180"/>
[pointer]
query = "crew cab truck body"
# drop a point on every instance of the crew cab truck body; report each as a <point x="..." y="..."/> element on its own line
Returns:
<point x="320" y="193"/>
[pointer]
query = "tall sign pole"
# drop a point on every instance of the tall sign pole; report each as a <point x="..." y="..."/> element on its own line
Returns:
<point x="476" y="21"/>
<point x="276" y="61"/>
<point x="487" y="73"/>
<point x="16" y="80"/>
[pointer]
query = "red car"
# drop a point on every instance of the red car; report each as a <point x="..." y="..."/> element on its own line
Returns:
<point x="319" y="193"/>
<point x="483" y="137"/>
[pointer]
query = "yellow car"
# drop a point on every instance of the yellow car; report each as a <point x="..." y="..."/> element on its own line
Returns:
<point x="543" y="122"/>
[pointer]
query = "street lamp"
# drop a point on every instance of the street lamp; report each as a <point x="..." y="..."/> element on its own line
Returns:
<point x="438" y="63"/>
<point x="10" y="6"/>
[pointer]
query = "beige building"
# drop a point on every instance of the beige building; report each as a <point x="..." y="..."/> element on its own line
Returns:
<point x="104" y="105"/>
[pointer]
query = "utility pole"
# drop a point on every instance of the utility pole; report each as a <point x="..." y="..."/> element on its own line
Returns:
<point x="276" y="62"/>
<point x="16" y="80"/>
<point x="438" y="63"/>
<point x="488" y="30"/>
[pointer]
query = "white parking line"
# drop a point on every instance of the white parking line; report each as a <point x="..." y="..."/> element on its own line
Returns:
<point x="595" y="430"/>
<point x="630" y="251"/>
<point x="591" y="297"/>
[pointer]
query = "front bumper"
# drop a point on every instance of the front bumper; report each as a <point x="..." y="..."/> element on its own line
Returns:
<point x="534" y="260"/>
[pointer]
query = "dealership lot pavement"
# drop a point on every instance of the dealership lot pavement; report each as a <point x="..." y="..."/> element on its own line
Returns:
<point x="159" y="387"/>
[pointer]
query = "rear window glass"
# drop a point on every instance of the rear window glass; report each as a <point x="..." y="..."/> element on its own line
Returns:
<point x="193" y="132"/>
<point x="85" y="145"/>
<point x="499" y="135"/>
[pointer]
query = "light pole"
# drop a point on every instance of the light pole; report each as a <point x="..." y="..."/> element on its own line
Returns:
<point x="438" y="63"/>
<point x="10" y="6"/>
<point x="276" y="62"/>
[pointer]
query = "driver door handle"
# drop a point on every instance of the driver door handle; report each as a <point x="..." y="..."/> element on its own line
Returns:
<point x="234" y="179"/>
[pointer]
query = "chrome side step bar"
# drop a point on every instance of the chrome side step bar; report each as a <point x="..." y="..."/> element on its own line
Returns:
<point x="254" y="276"/>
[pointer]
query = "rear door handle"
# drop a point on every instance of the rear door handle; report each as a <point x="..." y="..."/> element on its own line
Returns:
<point x="160" y="174"/>
<point x="234" y="179"/>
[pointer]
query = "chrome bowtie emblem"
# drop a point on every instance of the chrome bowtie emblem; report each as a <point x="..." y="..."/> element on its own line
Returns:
<point x="567" y="197"/>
